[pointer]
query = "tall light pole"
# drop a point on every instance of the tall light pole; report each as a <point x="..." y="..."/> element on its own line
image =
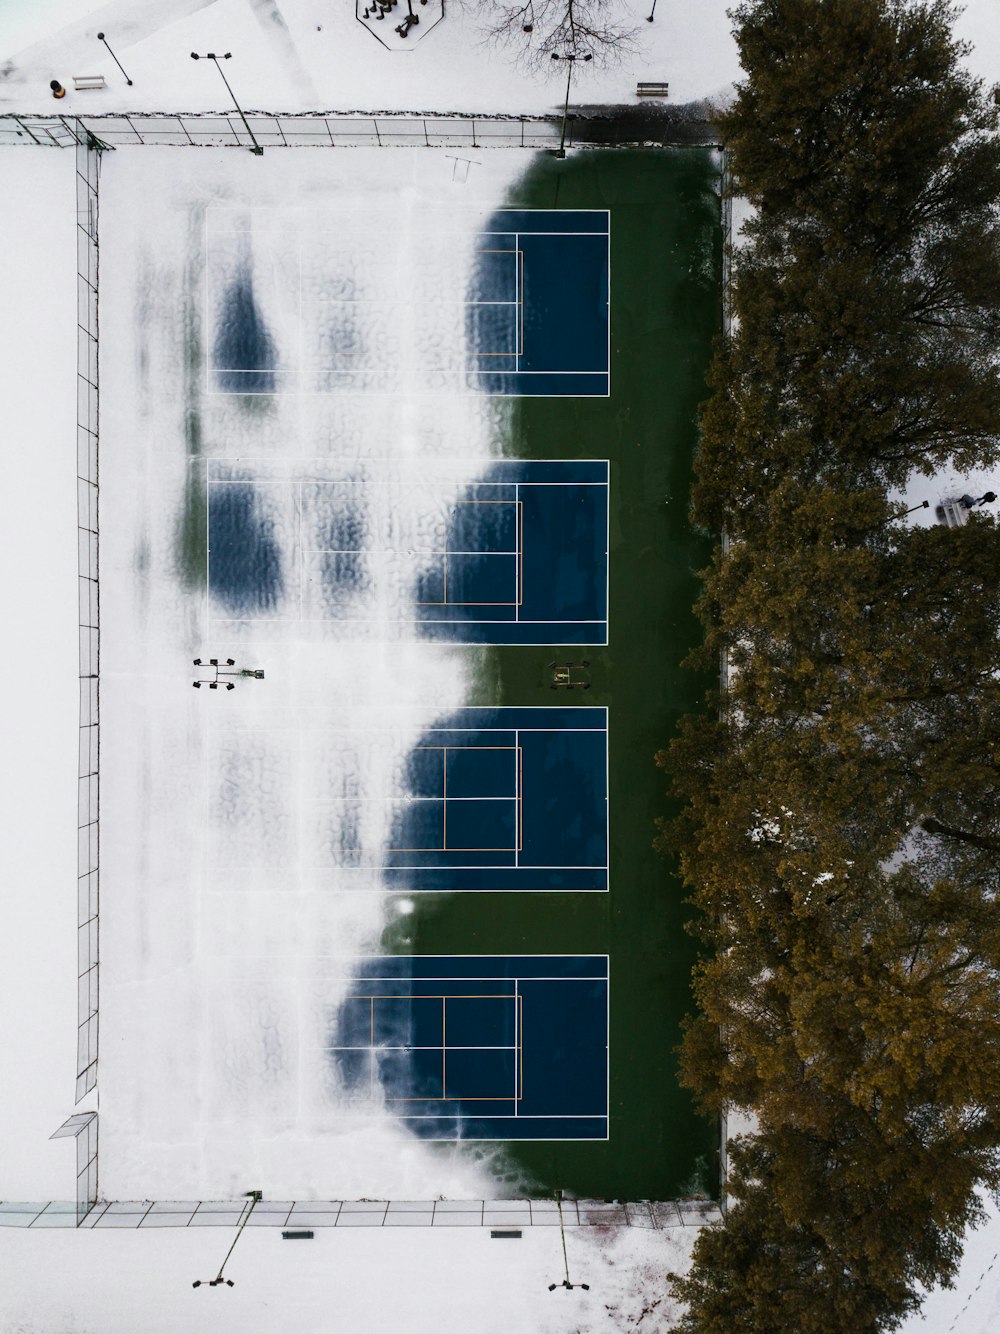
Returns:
<point x="562" y="1232"/>
<point x="254" y="1197"/>
<point x="256" y="150"/>
<point x="570" y="57"/>
<point x="102" y="38"/>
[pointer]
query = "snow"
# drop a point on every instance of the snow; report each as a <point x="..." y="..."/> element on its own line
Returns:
<point x="38" y="672"/>
<point x="382" y="1280"/>
<point x="309" y="55"/>
<point x="294" y="56"/>
<point x="972" y="1305"/>
<point x="230" y="918"/>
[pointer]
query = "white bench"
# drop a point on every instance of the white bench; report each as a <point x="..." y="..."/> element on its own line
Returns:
<point x="83" y="82"/>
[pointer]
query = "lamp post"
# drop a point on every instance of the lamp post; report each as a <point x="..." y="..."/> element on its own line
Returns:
<point x="101" y="38"/>
<point x="256" y="150"/>
<point x="652" y="13"/>
<point x="570" y="57"/>
<point x="562" y="1232"/>
<point x="254" y="1197"/>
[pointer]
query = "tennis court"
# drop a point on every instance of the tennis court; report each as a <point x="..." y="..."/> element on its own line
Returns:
<point x="296" y="307"/>
<point x="538" y="320"/>
<point x="487" y="799"/>
<point x="508" y="1047"/>
<point x="510" y="799"/>
<point x="517" y="555"/>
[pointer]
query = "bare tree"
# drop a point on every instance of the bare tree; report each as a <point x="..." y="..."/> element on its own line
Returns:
<point x="569" y="29"/>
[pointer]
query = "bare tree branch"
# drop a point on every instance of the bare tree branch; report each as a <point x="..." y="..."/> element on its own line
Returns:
<point x="541" y="29"/>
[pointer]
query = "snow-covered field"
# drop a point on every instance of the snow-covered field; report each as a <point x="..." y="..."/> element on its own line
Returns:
<point x="310" y="55"/>
<point x="291" y="55"/>
<point x="379" y="1280"/>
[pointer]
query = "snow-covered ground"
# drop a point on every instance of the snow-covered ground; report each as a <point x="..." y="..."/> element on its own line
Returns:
<point x="380" y="1280"/>
<point x="287" y="56"/>
<point x="310" y="55"/>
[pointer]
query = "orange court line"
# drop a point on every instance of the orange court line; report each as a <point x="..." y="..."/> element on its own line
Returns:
<point x="517" y="797"/>
<point x="520" y="301"/>
<point x="458" y="1097"/>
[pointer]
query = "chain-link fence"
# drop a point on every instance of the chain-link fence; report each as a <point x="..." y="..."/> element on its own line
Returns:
<point x="599" y="126"/>
<point x="500" y="1214"/>
<point x="87" y="423"/>
<point x="89" y="136"/>
<point x="82" y="1128"/>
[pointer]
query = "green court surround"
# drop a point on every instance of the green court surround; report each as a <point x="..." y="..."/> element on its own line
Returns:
<point x="666" y="257"/>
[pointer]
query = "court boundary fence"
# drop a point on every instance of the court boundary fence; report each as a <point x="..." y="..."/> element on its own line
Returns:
<point x="88" y="772"/>
<point x="598" y="126"/>
<point x="134" y="1214"/>
<point x="83" y="1128"/>
<point x="90" y="136"/>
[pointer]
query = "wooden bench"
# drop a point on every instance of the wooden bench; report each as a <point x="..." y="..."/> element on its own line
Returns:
<point x="83" y="82"/>
<point x="652" y="90"/>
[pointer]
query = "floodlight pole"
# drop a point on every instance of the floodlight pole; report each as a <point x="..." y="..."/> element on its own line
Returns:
<point x="255" y="1197"/>
<point x="101" y="38"/>
<point x="210" y="55"/>
<point x="562" y="1232"/>
<point x="570" y="57"/>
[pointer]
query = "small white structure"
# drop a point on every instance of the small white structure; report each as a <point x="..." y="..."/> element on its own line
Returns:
<point x="954" y="511"/>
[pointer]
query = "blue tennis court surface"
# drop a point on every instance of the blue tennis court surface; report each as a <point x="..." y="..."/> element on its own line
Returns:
<point x="538" y="315"/>
<point x="504" y="799"/>
<point x="519" y="555"/>
<point x="525" y="559"/>
<point x="478" y="1047"/>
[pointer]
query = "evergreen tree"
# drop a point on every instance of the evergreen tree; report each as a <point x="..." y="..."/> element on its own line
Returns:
<point x="840" y="822"/>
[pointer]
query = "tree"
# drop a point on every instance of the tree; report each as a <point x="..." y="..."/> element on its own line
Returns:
<point x="761" y="1273"/>
<point x="856" y="118"/>
<point x="541" y="29"/>
<point x="840" y="821"/>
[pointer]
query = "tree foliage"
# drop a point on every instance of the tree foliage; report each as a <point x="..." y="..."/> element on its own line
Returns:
<point x="840" y="822"/>
<point x="868" y="300"/>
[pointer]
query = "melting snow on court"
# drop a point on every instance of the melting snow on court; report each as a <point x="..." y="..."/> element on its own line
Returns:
<point x="284" y="380"/>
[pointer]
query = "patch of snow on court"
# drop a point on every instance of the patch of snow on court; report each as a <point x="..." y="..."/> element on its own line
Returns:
<point x="244" y="829"/>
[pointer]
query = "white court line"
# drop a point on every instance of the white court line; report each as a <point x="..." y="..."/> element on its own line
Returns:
<point x="449" y="467"/>
<point x="423" y="622"/>
<point x="409" y="551"/>
<point x="365" y="731"/>
<point x="366" y="370"/>
<point x="518" y="1039"/>
<point x="381" y="866"/>
<point x="350" y="483"/>
<point x="442" y="730"/>
<point x="412" y="981"/>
